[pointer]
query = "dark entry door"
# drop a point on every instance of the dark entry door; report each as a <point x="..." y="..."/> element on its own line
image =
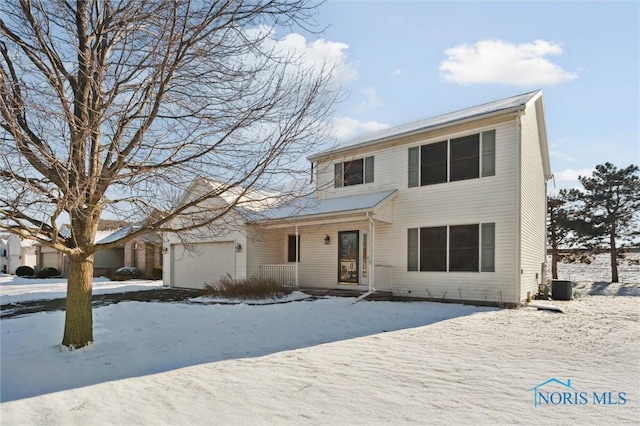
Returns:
<point x="348" y="250"/>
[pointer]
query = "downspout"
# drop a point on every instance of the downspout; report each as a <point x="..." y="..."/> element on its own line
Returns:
<point x="297" y="256"/>
<point x="371" y="256"/>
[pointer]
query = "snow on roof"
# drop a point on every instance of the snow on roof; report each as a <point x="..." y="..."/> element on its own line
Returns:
<point x="310" y="206"/>
<point x="514" y="102"/>
<point x="108" y="236"/>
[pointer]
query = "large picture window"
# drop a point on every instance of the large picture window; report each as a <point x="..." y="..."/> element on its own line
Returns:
<point x="468" y="157"/>
<point x="456" y="248"/>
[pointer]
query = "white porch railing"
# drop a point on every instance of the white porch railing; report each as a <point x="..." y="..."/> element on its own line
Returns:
<point x="284" y="274"/>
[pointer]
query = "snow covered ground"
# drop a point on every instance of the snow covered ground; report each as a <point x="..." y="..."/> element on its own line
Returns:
<point x="595" y="278"/>
<point x="326" y="362"/>
<point x="599" y="270"/>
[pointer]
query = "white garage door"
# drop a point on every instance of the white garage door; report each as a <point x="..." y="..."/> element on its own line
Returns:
<point x="50" y="260"/>
<point x="202" y="264"/>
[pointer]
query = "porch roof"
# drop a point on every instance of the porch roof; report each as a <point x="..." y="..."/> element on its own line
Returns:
<point x="312" y="208"/>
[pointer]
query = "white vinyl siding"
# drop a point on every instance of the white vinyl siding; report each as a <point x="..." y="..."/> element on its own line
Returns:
<point x="489" y="200"/>
<point x="533" y="205"/>
<point x="492" y="199"/>
<point x="263" y="248"/>
<point x="485" y="200"/>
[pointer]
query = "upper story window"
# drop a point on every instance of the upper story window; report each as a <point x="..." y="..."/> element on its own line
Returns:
<point x="354" y="172"/>
<point x="468" y="157"/>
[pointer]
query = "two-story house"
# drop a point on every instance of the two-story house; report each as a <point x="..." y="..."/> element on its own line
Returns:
<point x="448" y="208"/>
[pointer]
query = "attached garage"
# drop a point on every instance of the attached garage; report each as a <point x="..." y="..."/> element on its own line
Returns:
<point x="201" y="263"/>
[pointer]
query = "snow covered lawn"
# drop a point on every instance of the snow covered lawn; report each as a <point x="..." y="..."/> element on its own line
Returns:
<point x="327" y="361"/>
<point x="17" y="289"/>
<point x="322" y="362"/>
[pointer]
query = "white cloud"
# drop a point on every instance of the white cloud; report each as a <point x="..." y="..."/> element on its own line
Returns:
<point x="317" y="52"/>
<point x="568" y="178"/>
<point x="303" y="55"/>
<point x="496" y="61"/>
<point x="396" y="72"/>
<point x="372" y="100"/>
<point x="346" y="128"/>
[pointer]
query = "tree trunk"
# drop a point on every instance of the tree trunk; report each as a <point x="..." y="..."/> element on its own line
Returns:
<point x="614" y="255"/>
<point x="78" y="325"/>
<point x="554" y="253"/>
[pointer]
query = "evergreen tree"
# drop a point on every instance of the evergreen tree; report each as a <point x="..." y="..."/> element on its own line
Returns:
<point x="559" y="225"/>
<point x="607" y="209"/>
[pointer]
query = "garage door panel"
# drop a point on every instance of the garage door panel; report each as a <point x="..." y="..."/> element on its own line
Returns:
<point x="50" y="260"/>
<point x="202" y="263"/>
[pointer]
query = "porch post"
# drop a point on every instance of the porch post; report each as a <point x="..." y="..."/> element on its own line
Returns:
<point x="297" y="256"/>
<point x="372" y="251"/>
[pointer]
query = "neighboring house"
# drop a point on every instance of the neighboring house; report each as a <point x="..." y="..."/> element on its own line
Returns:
<point x="48" y="257"/>
<point x="18" y="251"/>
<point x="4" y="264"/>
<point x="448" y="208"/>
<point x="144" y="252"/>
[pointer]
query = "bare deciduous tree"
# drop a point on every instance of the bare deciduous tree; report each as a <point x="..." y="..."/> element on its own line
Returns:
<point x="115" y="106"/>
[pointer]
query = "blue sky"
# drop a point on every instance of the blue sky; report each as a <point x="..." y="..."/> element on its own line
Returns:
<point x="406" y="61"/>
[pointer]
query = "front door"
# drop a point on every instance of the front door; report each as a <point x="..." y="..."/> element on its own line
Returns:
<point x="348" y="256"/>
